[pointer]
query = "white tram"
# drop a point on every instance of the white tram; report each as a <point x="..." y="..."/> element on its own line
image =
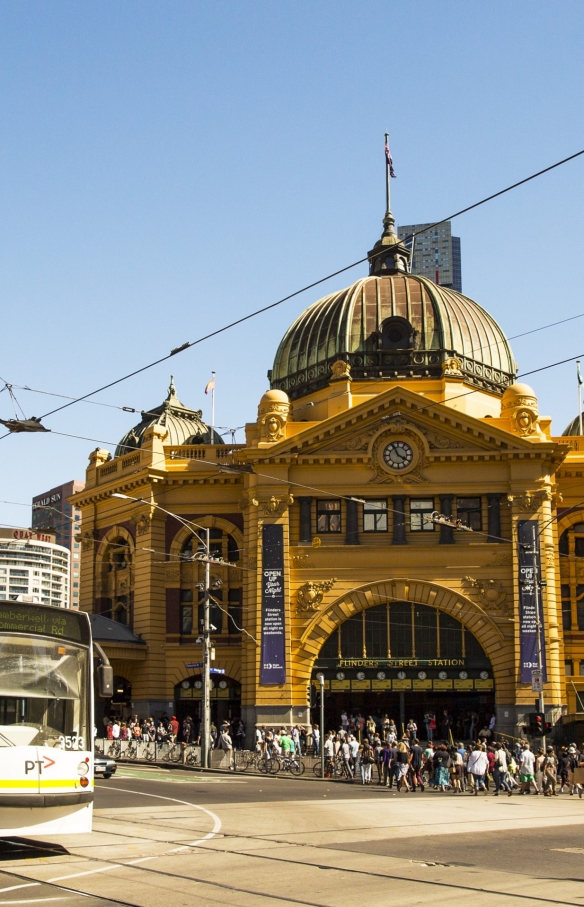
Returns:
<point x="46" y="723"/>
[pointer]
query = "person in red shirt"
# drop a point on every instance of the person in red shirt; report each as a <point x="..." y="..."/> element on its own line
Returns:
<point x="491" y="758"/>
<point x="174" y="727"/>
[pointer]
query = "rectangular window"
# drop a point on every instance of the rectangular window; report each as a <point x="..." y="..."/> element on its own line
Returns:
<point x="419" y="509"/>
<point x="568" y="669"/>
<point x="566" y="608"/>
<point x="375" y="516"/>
<point x="580" y="606"/>
<point x="582" y="669"/>
<point x="579" y="547"/>
<point x="186" y="619"/>
<point x="400" y="630"/>
<point x="328" y="516"/>
<point x="426" y="632"/>
<point x="468" y="511"/>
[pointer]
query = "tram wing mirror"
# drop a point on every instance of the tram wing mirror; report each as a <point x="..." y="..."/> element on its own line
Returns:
<point x="105" y="681"/>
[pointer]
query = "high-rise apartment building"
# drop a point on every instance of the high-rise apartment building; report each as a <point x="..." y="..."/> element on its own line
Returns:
<point x="52" y="512"/>
<point x="33" y="568"/>
<point x="436" y="253"/>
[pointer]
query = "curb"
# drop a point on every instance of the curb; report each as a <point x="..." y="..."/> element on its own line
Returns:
<point x="178" y="766"/>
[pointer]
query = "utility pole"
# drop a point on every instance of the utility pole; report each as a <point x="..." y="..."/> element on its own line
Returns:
<point x="206" y="701"/>
<point x="321" y="681"/>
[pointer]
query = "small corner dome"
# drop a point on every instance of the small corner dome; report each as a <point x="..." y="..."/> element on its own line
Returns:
<point x="517" y="390"/>
<point x="183" y="425"/>
<point x="573" y="429"/>
<point x="274" y="396"/>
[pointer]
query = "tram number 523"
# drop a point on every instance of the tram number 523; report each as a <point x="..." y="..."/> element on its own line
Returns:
<point x="71" y="743"/>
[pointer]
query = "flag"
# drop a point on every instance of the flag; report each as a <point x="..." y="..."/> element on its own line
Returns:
<point x="580" y="380"/>
<point x="389" y="160"/>
<point x="210" y="385"/>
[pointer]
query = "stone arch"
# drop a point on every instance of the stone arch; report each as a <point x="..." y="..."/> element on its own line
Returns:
<point x="471" y="615"/>
<point x="116" y="532"/>
<point x="211" y="522"/>
<point x="115" y="590"/>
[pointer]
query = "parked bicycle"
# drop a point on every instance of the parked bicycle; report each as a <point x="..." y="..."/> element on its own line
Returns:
<point x="173" y="753"/>
<point x="150" y="752"/>
<point x="192" y="757"/>
<point x="115" y="749"/>
<point x="132" y="750"/>
<point x="292" y="764"/>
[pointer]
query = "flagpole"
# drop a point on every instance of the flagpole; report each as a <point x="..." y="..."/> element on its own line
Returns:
<point x="579" y="395"/>
<point x="387" y="176"/>
<point x="212" y="407"/>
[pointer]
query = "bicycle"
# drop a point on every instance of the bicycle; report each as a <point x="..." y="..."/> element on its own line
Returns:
<point x="330" y="768"/>
<point x="192" y="757"/>
<point x="150" y="752"/>
<point x="132" y="750"/>
<point x="292" y="764"/>
<point x="173" y="754"/>
<point x="98" y="747"/>
<point x="115" y="749"/>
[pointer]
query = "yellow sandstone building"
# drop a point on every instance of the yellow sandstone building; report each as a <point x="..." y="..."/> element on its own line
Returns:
<point x="389" y="401"/>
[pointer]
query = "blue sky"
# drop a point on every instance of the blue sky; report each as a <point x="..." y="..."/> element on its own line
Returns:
<point x="166" y="167"/>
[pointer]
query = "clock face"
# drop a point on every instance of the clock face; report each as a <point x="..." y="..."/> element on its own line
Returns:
<point x="398" y="455"/>
<point x="463" y="675"/>
<point x="443" y="675"/>
<point x="484" y="675"/>
<point x="401" y="675"/>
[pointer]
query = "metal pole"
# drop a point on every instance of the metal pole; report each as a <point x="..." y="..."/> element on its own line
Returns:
<point x="387" y="199"/>
<point x="321" y="680"/>
<point x="206" y="702"/>
<point x="579" y="397"/>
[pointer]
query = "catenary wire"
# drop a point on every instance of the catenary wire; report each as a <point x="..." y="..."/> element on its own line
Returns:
<point x="315" y="283"/>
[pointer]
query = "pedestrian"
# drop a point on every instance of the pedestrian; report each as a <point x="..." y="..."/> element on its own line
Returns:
<point x="416" y="763"/>
<point x="402" y="764"/>
<point x="316" y="739"/>
<point x="366" y="760"/>
<point x="412" y="730"/>
<point x="500" y="771"/>
<point x="527" y="770"/>
<point x="550" y="773"/>
<point x="477" y="766"/>
<point x="442" y="764"/>
<point x="226" y="744"/>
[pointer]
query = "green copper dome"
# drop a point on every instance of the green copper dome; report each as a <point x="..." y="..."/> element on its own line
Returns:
<point x="393" y="325"/>
<point x="573" y="428"/>
<point x="184" y="425"/>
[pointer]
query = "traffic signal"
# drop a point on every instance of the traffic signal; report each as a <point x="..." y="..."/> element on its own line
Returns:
<point x="537" y="724"/>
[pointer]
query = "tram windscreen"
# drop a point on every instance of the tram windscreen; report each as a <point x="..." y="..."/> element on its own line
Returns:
<point x="43" y="693"/>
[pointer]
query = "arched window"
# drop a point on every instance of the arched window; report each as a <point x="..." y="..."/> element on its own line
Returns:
<point x="226" y="591"/>
<point x="397" y="334"/>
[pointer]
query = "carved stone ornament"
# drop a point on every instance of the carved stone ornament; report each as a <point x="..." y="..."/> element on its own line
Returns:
<point x="252" y="562"/>
<point x="452" y="368"/>
<point x="316" y="542"/>
<point x="310" y="595"/>
<point x="398" y="429"/>
<point x="529" y="501"/>
<point x="143" y="524"/>
<point x="501" y="560"/>
<point x="87" y="541"/>
<point x="523" y="412"/>
<point x="172" y="573"/>
<point x="276" y="506"/>
<point x="341" y="371"/>
<point x="490" y="592"/>
<point x="300" y="561"/>
<point x="273" y="414"/>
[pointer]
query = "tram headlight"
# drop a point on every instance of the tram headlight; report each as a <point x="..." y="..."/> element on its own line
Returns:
<point x="82" y="768"/>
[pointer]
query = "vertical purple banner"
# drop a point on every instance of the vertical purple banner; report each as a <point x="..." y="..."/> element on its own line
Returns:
<point x="273" y="667"/>
<point x="530" y="599"/>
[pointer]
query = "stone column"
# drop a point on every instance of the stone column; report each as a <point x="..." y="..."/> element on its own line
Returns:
<point x="446" y="532"/>
<point x="305" y="520"/>
<point x="399" y="519"/>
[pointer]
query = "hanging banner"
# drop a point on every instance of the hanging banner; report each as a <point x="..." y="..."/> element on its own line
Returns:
<point x="273" y="666"/>
<point x="530" y="599"/>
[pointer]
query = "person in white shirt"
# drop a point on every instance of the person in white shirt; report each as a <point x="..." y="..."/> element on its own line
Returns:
<point x="346" y="754"/>
<point x="316" y="739"/>
<point x="500" y="771"/>
<point x="115" y="729"/>
<point x="527" y="771"/>
<point x="477" y="767"/>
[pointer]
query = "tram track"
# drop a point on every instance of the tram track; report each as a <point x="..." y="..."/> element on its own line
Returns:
<point x="105" y="865"/>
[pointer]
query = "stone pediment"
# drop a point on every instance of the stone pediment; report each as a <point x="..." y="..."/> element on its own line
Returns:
<point x="442" y="430"/>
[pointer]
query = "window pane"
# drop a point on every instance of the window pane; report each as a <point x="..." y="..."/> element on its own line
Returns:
<point x="564" y="543"/>
<point x="328" y="506"/>
<point x="579" y="547"/>
<point x="186" y="619"/>
<point x="352" y="637"/>
<point x="580" y="608"/>
<point x="419" y="509"/>
<point x="400" y="629"/>
<point x="568" y="668"/>
<point x="566" y="614"/>
<point x="450" y="636"/>
<point x="474" y="650"/>
<point x="376" y="631"/>
<point x="375" y="516"/>
<point x="426" y="632"/>
<point x="330" y="648"/>
<point x="468" y="511"/>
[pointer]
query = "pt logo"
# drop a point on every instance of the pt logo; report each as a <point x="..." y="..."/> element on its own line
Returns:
<point x="44" y="764"/>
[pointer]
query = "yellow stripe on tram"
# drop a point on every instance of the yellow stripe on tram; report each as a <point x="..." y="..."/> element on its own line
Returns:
<point x="29" y="783"/>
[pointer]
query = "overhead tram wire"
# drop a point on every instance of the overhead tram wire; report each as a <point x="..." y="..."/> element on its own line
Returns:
<point x="273" y="305"/>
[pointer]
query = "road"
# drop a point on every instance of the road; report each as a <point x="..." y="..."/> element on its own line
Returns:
<point x="165" y="836"/>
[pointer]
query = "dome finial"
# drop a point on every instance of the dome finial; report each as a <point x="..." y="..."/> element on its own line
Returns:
<point x="171" y="389"/>
<point x="389" y="255"/>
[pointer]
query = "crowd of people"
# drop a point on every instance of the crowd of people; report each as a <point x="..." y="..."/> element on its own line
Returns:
<point x="171" y="730"/>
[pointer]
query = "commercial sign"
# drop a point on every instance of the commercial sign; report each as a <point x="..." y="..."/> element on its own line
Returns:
<point x="273" y="664"/>
<point x="27" y="535"/>
<point x="529" y="599"/>
<point x="47" y="500"/>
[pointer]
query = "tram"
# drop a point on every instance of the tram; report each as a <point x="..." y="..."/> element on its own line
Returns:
<point x="46" y="724"/>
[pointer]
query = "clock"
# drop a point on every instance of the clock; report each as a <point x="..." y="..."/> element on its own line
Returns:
<point x="185" y="684"/>
<point x="381" y="675"/>
<point x="443" y="675"/>
<point x="360" y="675"/>
<point x="401" y="675"/>
<point x="484" y="675"/>
<point x="340" y="675"/>
<point x="422" y="675"/>
<point x="463" y="675"/>
<point x="398" y="455"/>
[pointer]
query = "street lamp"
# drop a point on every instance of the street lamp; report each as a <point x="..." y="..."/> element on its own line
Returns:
<point x="206" y="631"/>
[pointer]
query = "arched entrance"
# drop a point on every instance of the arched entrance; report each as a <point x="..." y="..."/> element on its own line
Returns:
<point x="407" y="656"/>
<point x="225" y="699"/>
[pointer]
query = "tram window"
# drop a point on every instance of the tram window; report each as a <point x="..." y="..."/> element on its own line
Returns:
<point x="352" y="637"/>
<point x="376" y="632"/>
<point x="468" y="511"/>
<point x="328" y="516"/>
<point x="566" y="608"/>
<point x="426" y="632"/>
<point x="579" y="547"/>
<point x="186" y="619"/>
<point x="418" y="510"/>
<point x="580" y="606"/>
<point x="375" y="516"/>
<point x="450" y="636"/>
<point x="400" y="630"/>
